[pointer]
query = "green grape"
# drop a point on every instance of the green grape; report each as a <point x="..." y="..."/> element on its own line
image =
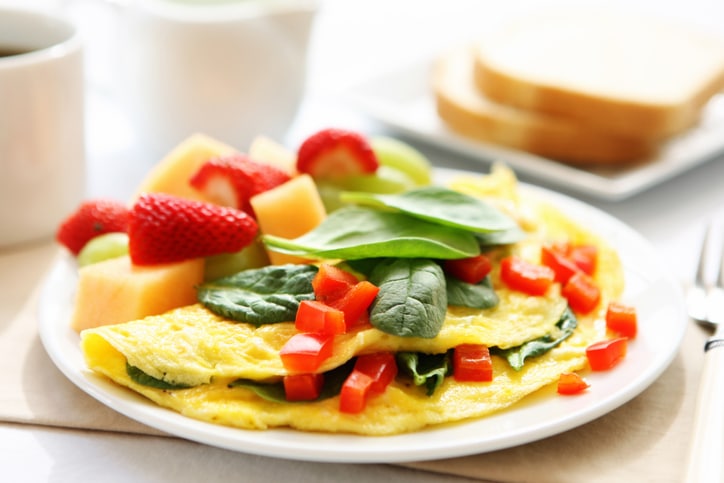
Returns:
<point x="329" y="193"/>
<point x="251" y="256"/>
<point x="403" y="157"/>
<point x="103" y="247"/>
<point x="386" y="180"/>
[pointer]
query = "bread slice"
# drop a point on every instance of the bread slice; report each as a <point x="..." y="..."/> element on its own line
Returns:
<point x="469" y="113"/>
<point x="626" y="74"/>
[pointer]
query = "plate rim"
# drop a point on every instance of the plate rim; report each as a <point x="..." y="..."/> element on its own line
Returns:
<point x="439" y="441"/>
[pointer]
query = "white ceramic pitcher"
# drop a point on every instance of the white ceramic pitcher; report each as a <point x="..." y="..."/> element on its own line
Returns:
<point x="232" y="69"/>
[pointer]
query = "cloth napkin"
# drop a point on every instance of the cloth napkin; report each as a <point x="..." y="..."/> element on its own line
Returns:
<point x="644" y="440"/>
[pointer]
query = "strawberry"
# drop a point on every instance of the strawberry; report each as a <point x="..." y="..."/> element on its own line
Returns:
<point x="164" y="228"/>
<point x="334" y="153"/>
<point x="233" y="180"/>
<point x="92" y="218"/>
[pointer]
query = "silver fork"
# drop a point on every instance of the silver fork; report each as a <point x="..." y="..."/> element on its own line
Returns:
<point x="705" y="302"/>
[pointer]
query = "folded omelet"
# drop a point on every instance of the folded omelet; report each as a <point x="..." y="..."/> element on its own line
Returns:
<point x="193" y="347"/>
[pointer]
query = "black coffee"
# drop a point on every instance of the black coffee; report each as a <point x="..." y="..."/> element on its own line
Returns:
<point x="9" y="50"/>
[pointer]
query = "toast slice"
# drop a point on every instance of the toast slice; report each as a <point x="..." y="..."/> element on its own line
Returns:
<point x="469" y="113"/>
<point x="630" y="75"/>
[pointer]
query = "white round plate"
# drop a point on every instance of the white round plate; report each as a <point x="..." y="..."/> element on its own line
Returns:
<point x="649" y="287"/>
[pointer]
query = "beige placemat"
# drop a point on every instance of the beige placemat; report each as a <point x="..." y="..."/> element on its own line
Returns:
<point x="33" y="389"/>
<point x="645" y="440"/>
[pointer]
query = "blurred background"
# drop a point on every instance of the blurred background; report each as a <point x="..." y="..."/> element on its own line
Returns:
<point x="351" y="40"/>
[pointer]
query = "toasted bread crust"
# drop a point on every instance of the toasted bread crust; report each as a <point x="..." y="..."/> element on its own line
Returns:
<point x="469" y="113"/>
<point x="617" y="116"/>
<point x="636" y="77"/>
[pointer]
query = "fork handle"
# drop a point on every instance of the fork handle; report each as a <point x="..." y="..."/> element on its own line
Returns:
<point x="707" y="447"/>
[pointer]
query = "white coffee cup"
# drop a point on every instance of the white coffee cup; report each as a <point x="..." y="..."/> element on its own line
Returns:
<point x="231" y="69"/>
<point x="42" y="145"/>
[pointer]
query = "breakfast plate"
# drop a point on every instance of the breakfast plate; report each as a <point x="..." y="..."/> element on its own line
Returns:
<point x="649" y="287"/>
<point x="403" y="100"/>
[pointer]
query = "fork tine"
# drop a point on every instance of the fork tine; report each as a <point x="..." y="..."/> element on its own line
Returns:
<point x="697" y="294"/>
<point x="703" y="259"/>
<point x="720" y="276"/>
<point x="715" y="310"/>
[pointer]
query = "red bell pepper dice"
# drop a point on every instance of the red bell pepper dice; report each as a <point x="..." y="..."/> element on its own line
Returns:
<point x="582" y="293"/>
<point x="356" y="302"/>
<point x="525" y="276"/>
<point x="305" y="352"/>
<point x="380" y="366"/>
<point x="317" y="317"/>
<point x="562" y="266"/>
<point x="470" y="270"/>
<point x="571" y="383"/>
<point x="303" y="387"/>
<point x="472" y="363"/>
<point x="605" y="354"/>
<point x="585" y="257"/>
<point x="622" y="319"/>
<point x="353" y="396"/>
<point x="331" y="282"/>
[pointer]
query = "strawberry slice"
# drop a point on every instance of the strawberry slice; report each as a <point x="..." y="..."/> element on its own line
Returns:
<point x="92" y="218"/>
<point x="335" y="153"/>
<point x="232" y="180"/>
<point x="164" y="228"/>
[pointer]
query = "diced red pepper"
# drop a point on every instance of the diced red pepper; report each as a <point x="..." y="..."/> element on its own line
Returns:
<point x="303" y="387"/>
<point x="582" y="293"/>
<point x="331" y="282"/>
<point x="605" y="354"/>
<point x="470" y="270"/>
<point x="585" y="257"/>
<point x="571" y="383"/>
<point x="525" y="276"/>
<point x="472" y="362"/>
<point x="317" y="317"/>
<point x="353" y="396"/>
<point x="622" y="319"/>
<point x="562" y="266"/>
<point x="381" y="367"/>
<point x="305" y="352"/>
<point x="356" y="302"/>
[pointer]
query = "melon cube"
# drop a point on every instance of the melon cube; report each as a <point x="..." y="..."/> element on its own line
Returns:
<point x="267" y="151"/>
<point x="172" y="174"/>
<point x="115" y="291"/>
<point x="289" y="210"/>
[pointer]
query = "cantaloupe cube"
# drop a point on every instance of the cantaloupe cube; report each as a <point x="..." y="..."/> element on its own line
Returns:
<point x="115" y="291"/>
<point x="289" y="210"/>
<point x="268" y="151"/>
<point x="171" y="175"/>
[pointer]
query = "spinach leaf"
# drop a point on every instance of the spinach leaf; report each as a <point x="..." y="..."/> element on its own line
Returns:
<point x="428" y="370"/>
<point x="500" y="237"/>
<point x="477" y="296"/>
<point x="140" y="377"/>
<point x="274" y="392"/>
<point x="412" y="300"/>
<point x="438" y="205"/>
<point x="357" y="232"/>
<point x="516" y="356"/>
<point x="260" y="296"/>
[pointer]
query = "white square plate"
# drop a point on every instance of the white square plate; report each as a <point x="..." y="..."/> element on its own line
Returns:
<point x="403" y="100"/>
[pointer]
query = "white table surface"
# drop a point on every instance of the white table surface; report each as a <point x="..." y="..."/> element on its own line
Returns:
<point x="351" y="39"/>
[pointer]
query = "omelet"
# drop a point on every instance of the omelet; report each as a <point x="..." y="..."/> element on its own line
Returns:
<point x="193" y="347"/>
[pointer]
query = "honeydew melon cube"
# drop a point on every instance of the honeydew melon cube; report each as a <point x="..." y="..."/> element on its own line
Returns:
<point x="116" y="291"/>
<point x="172" y="174"/>
<point x="289" y="210"/>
